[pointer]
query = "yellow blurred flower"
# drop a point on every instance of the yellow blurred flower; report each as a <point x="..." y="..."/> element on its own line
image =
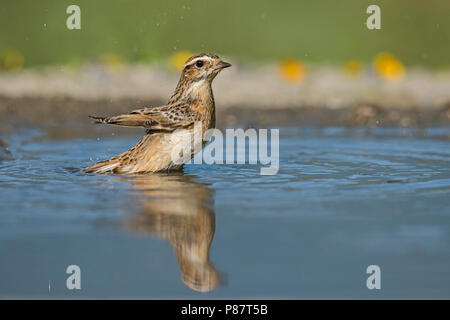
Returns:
<point x="13" y="60"/>
<point x="292" y="70"/>
<point x="354" y="68"/>
<point x="112" y="62"/>
<point x="388" y="67"/>
<point x="179" y="58"/>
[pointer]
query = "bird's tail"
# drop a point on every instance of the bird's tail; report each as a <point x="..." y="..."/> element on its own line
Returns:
<point x="105" y="166"/>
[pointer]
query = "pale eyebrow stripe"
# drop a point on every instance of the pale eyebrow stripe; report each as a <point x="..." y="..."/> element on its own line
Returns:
<point x="200" y="58"/>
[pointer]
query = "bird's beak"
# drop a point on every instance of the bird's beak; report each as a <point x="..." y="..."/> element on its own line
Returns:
<point x="222" y="65"/>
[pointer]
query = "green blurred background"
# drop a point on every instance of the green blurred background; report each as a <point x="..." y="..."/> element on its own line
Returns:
<point x="325" y="31"/>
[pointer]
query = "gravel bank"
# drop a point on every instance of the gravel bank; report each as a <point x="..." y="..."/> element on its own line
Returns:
<point x="246" y="97"/>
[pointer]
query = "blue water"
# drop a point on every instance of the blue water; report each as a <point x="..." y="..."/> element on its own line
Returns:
<point x="343" y="199"/>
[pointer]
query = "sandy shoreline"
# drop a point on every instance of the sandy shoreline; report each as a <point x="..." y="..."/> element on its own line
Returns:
<point x="42" y="112"/>
<point x="244" y="97"/>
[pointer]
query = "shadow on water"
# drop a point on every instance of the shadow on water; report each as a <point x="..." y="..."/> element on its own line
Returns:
<point x="175" y="208"/>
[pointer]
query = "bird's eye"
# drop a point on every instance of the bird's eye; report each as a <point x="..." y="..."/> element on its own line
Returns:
<point x="199" y="64"/>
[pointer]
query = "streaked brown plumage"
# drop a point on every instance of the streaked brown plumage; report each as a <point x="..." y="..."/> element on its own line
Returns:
<point x="192" y="102"/>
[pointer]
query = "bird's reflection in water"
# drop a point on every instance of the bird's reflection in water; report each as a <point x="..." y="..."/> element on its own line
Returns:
<point x="179" y="210"/>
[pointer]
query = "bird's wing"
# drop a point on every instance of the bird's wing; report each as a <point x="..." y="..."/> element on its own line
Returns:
<point x="164" y="118"/>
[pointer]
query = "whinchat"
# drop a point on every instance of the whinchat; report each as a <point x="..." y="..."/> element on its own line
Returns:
<point x="191" y="103"/>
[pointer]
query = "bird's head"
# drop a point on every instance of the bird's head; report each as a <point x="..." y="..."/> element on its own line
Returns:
<point x="203" y="67"/>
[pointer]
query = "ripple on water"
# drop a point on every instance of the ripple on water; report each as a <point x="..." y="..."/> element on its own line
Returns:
<point x="341" y="197"/>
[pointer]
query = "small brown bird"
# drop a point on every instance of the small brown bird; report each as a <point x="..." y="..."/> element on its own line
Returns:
<point x="192" y="103"/>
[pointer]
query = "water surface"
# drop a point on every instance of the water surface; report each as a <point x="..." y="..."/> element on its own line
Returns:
<point x="343" y="199"/>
